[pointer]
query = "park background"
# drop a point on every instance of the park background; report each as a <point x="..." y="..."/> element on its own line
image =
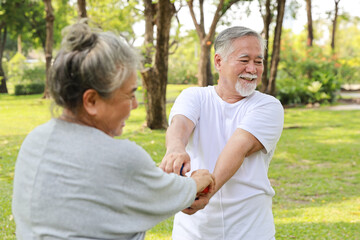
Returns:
<point x="315" y="170"/>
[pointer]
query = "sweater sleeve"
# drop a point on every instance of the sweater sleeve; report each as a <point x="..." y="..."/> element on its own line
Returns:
<point x="142" y="192"/>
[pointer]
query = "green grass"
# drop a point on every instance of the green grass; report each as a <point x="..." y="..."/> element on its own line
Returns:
<point x="315" y="170"/>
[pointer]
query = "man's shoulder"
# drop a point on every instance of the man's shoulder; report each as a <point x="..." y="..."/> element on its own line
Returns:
<point x="263" y="98"/>
<point x="196" y="93"/>
<point x="197" y="89"/>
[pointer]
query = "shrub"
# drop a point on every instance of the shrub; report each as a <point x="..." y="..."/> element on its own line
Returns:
<point x="292" y="92"/>
<point x="35" y="73"/>
<point x="30" y="75"/>
<point x="308" y="75"/>
<point x="31" y="88"/>
<point x="16" y="68"/>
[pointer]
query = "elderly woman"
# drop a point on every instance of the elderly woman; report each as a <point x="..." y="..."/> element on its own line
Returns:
<point x="73" y="180"/>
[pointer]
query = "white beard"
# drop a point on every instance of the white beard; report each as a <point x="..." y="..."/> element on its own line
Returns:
<point x="245" y="88"/>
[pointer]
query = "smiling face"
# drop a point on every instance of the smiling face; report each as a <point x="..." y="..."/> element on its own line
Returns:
<point x="241" y="71"/>
<point x="112" y="112"/>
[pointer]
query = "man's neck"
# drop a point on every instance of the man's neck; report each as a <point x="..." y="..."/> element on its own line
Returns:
<point x="229" y="96"/>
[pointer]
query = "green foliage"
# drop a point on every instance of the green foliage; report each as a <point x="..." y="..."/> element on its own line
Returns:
<point x="65" y="14"/>
<point x="30" y="88"/>
<point x="113" y="15"/>
<point x="308" y="75"/>
<point x="26" y="74"/>
<point x="348" y="37"/>
<point x="35" y="73"/>
<point x="25" y="18"/>
<point x="16" y="68"/>
<point x="182" y="69"/>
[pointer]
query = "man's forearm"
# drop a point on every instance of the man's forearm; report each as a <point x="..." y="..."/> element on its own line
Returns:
<point x="240" y="145"/>
<point x="177" y="137"/>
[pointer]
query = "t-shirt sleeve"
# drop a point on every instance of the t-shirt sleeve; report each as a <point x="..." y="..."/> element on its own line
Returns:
<point x="265" y="121"/>
<point x="187" y="104"/>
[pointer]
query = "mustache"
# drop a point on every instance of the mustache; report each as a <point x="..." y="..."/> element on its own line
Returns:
<point x="248" y="76"/>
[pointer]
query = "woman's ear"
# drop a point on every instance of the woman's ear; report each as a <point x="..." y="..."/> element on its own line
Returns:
<point x="91" y="100"/>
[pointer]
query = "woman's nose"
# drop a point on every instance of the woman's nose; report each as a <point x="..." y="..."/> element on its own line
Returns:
<point x="134" y="103"/>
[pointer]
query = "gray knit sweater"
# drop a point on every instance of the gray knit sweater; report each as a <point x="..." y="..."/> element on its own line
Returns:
<point x="76" y="182"/>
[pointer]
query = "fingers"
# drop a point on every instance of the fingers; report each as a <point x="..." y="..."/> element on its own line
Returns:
<point x="177" y="166"/>
<point x="198" y="204"/>
<point x="203" y="180"/>
<point x="173" y="162"/>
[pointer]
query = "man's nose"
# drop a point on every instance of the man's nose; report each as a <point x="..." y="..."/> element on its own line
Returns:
<point x="251" y="68"/>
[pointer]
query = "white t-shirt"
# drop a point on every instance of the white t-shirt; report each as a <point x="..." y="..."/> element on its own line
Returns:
<point x="241" y="209"/>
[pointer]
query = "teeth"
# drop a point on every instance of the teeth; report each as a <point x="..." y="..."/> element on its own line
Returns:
<point x="248" y="78"/>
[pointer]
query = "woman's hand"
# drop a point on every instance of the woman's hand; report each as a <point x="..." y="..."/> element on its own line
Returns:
<point x="205" y="186"/>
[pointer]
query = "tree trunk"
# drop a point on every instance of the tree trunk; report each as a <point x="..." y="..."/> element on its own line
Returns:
<point x="205" y="77"/>
<point x="49" y="42"/>
<point x="334" y="25"/>
<point x="3" y="32"/>
<point x="267" y="18"/>
<point x="310" y="37"/>
<point x="204" y="68"/>
<point x="210" y="78"/>
<point x="82" y="8"/>
<point x="275" y="58"/>
<point x="19" y="45"/>
<point x="155" y="75"/>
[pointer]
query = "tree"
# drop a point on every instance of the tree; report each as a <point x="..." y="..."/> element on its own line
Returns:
<point x="114" y="15"/>
<point x="10" y="19"/>
<point x="334" y="25"/>
<point x="3" y="33"/>
<point x="310" y="37"/>
<point x="49" y="41"/>
<point x="267" y="19"/>
<point x="154" y="73"/>
<point x="82" y="8"/>
<point x="207" y="39"/>
<point x="275" y="58"/>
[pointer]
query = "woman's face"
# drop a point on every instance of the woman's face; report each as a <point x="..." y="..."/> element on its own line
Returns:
<point x="116" y="109"/>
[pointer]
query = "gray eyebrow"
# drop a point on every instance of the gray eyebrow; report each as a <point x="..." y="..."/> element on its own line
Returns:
<point x="246" y="55"/>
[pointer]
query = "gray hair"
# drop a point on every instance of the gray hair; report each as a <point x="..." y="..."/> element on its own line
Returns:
<point x="223" y="42"/>
<point x="89" y="60"/>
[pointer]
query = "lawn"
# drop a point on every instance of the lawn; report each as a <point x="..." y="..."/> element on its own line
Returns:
<point x="315" y="170"/>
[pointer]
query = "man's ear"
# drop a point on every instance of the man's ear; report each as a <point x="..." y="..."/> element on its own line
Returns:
<point x="91" y="101"/>
<point x="217" y="61"/>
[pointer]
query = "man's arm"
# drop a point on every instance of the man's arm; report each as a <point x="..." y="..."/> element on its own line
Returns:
<point x="240" y="145"/>
<point x="177" y="137"/>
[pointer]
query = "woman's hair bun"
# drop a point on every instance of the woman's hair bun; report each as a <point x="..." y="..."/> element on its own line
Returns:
<point x="78" y="37"/>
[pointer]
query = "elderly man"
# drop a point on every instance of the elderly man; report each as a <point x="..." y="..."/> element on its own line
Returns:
<point x="231" y="130"/>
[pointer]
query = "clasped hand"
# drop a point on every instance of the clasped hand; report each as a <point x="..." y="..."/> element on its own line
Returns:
<point x="173" y="162"/>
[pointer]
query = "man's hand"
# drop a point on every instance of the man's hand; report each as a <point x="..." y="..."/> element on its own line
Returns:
<point x="172" y="162"/>
<point x="177" y="136"/>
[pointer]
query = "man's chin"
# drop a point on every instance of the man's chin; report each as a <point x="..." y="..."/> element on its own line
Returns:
<point x="246" y="90"/>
